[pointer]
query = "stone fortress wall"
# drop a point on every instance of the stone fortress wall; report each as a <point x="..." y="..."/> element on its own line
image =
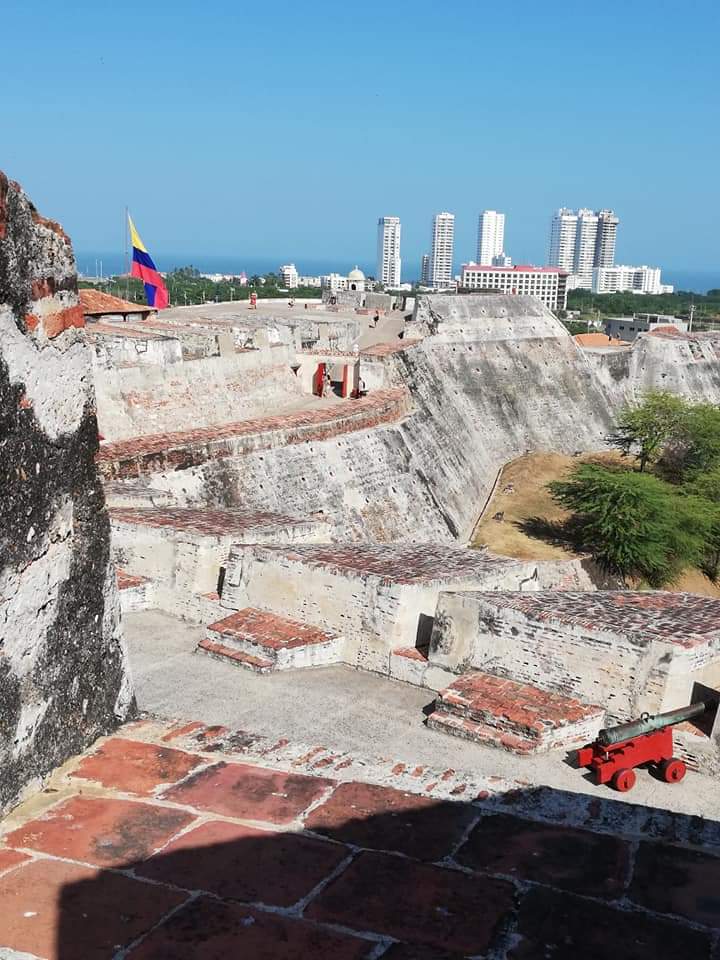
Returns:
<point x="63" y="671"/>
<point x="301" y="530"/>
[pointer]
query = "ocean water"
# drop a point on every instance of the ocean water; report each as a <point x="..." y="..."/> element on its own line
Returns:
<point x="699" y="281"/>
<point x="112" y="264"/>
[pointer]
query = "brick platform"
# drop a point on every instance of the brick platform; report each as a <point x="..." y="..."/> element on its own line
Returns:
<point x="194" y="851"/>
<point x="513" y="716"/>
<point x="136" y="592"/>
<point x="181" y="449"/>
<point x="263" y="642"/>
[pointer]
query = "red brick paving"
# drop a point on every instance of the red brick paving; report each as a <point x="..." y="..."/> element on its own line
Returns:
<point x="63" y="910"/>
<point x="567" y="897"/>
<point x="242" y="863"/>
<point x="10" y="859"/>
<point x="684" y="882"/>
<point x="208" y="930"/>
<point x="135" y="767"/>
<point x="416" y="902"/>
<point x="105" y="832"/>
<point x="564" y="927"/>
<point x="576" y="860"/>
<point x="250" y="793"/>
<point x="382" y="819"/>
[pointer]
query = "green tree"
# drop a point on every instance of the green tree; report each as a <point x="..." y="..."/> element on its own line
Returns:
<point x="634" y="524"/>
<point x="644" y="428"/>
<point x="706" y="486"/>
<point x="695" y="446"/>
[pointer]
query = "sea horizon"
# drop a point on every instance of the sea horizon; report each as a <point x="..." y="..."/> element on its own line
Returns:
<point x="88" y="264"/>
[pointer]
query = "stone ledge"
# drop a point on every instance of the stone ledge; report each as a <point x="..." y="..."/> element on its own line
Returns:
<point x="179" y="450"/>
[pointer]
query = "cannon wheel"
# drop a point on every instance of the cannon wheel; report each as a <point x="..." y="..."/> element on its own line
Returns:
<point x="624" y="780"/>
<point x="672" y="770"/>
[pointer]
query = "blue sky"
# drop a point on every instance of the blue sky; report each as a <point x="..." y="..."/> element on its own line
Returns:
<point x="286" y="129"/>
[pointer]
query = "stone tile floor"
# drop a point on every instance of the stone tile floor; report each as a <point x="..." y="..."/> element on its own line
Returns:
<point x="186" y="841"/>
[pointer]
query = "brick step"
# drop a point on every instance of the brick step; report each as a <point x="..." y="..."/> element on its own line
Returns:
<point x="226" y="654"/>
<point x="285" y="644"/>
<point x="136" y="593"/>
<point x="481" y="733"/>
<point x="488" y="708"/>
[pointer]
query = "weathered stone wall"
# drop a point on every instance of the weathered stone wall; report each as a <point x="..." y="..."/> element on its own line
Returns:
<point x="593" y="656"/>
<point x="376" y="596"/>
<point x="688" y="365"/>
<point x="143" y="400"/>
<point x="498" y="377"/>
<point x="63" y="676"/>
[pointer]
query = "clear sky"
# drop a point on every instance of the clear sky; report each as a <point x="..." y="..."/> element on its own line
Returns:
<point x="285" y="129"/>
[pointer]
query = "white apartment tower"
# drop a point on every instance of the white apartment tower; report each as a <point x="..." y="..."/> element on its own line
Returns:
<point x="441" y="254"/>
<point x="491" y="236"/>
<point x="581" y="241"/>
<point x="388" y="251"/>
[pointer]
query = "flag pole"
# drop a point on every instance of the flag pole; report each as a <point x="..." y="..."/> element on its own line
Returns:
<point x="127" y="258"/>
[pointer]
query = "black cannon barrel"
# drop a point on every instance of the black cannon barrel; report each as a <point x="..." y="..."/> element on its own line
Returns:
<point x="646" y="724"/>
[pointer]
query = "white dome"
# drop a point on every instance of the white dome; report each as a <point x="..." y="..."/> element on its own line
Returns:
<point x="356" y="274"/>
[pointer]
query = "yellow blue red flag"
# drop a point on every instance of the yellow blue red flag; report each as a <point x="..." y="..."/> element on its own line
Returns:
<point x="144" y="268"/>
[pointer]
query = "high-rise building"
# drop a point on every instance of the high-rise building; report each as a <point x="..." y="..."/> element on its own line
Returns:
<point x="388" y="251"/>
<point x="491" y="236"/>
<point x="289" y="275"/>
<point x="606" y="234"/>
<point x="580" y="241"/>
<point x="441" y="254"/>
<point x="425" y="269"/>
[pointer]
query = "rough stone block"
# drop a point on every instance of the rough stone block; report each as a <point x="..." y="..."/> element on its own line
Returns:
<point x="63" y="675"/>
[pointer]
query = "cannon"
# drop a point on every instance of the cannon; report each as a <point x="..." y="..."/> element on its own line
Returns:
<point x="618" y="750"/>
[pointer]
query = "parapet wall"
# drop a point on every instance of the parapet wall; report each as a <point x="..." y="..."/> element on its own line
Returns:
<point x="141" y="400"/>
<point x="63" y="676"/>
<point x="685" y="364"/>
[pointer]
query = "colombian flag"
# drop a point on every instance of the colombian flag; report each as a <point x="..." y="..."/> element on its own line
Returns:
<point x="144" y="268"/>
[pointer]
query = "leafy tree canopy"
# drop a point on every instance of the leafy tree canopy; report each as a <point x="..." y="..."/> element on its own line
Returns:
<point x="634" y="524"/>
<point x="644" y="428"/>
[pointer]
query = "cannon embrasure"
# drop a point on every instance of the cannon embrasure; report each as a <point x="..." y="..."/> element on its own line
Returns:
<point x="618" y="750"/>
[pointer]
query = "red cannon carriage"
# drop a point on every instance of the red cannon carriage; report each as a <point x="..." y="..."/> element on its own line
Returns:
<point x="618" y="750"/>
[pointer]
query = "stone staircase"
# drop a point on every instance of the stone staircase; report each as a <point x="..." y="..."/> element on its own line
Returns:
<point x="517" y="717"/>
<point x="264" y="642"/>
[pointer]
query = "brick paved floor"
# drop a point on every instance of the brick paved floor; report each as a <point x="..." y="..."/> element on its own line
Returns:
<point x="180" y="842"/>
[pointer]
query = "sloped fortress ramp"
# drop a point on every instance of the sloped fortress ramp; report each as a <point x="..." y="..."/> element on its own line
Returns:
<point x="63" y="678"/>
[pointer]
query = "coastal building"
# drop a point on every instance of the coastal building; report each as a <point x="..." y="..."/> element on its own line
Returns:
<point x="624" y="279"/>
<point x="441" y="254"/>
<point x="580" y="241"/>
<point x="491" y="236"/>
<point x="547" y="284"/>
<point x="627" y="328"/>
<point x="425" y="269"/>
<point x="501" y="260"/>
<point x="354" y="281"/>
<point x="290" y="277"/>
<point x="388" y="251"/>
